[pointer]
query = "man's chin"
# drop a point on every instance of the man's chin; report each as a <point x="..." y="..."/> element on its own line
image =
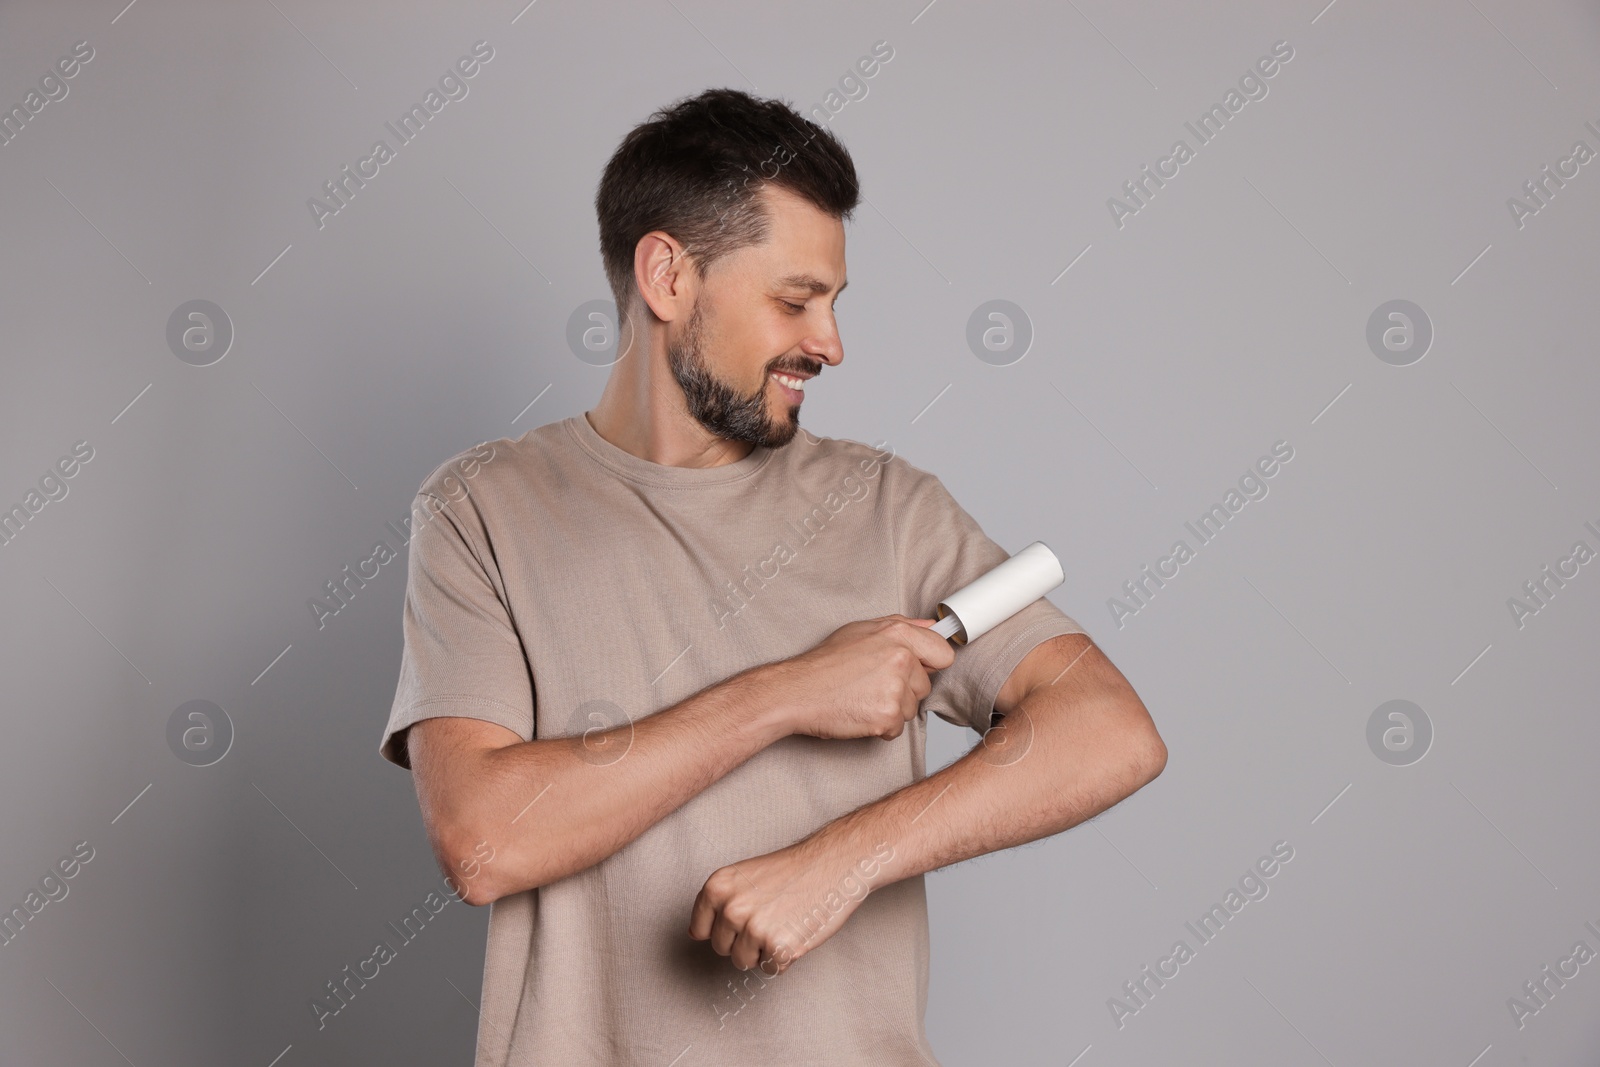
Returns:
<point x="779" y="441"/>
<point x="782" y="433"/>
<point x="775" y="433"/>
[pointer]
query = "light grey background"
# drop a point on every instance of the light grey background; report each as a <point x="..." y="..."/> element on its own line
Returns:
<point x="1229" y="313"/>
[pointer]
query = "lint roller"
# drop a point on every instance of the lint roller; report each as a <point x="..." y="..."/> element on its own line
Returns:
<point x="994" y="597"/>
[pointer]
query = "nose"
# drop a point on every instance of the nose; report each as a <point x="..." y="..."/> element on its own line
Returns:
<point x="825" y="344"/>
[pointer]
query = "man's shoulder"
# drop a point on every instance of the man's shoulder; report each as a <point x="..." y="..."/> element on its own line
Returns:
<point x="901" y="480"/>
<point x="840" y="453"/>
<point x="490" y="468"/>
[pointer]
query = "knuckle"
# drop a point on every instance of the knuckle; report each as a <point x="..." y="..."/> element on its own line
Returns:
<point x="719" y="887"/>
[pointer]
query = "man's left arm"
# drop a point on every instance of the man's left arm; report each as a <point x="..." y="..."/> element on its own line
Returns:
<point x="1075" y="740"/>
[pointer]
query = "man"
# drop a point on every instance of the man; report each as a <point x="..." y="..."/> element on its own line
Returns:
<point x="641" y="721"/>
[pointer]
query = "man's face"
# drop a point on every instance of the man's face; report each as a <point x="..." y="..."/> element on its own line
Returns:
<point x="761" y="310"/>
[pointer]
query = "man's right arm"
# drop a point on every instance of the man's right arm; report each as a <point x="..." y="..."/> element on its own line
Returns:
<point x="547" y="809"/>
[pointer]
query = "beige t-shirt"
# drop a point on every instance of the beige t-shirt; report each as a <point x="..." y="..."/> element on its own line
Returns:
<point x="558" y="584"/>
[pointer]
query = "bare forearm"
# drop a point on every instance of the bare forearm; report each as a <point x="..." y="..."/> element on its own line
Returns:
<point x="1071" y="746"/>
<point x="1050" y="768"/>
<point x="551" y="808"/>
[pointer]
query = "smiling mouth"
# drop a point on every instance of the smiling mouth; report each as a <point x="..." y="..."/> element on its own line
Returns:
<point x="791" y="382"/>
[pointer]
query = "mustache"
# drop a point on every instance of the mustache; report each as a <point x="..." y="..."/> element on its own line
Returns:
<point x="803" y="369"/>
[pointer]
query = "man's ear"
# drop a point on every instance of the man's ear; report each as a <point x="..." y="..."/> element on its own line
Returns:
<point x="663" y="275"/>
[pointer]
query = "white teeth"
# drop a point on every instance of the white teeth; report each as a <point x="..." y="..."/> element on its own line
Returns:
<point x="797" y="384"/>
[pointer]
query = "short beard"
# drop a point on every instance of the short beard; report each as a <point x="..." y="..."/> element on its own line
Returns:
<point x="718" y="406"/>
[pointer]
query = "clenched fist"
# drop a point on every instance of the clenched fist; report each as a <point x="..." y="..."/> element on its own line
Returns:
<point x="769" y="911"/>
<point x="866" y="679"/>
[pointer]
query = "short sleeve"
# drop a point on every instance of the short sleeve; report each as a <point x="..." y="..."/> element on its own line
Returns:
<point x="938" y="549"/>
<point x="462" y="653"/>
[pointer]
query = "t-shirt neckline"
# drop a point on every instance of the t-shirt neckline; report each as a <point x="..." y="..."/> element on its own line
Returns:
<point x="635" y="469"/>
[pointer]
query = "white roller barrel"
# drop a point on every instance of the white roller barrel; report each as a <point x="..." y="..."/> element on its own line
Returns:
<point x="994" y="597"/>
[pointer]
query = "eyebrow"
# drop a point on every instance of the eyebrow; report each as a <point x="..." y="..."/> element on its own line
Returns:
<point x="809" y="282"/>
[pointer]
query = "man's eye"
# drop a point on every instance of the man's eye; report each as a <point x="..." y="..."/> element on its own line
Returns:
<point x="793" y="308"/>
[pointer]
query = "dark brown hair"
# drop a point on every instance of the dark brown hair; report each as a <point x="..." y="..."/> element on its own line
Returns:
<point x="694" y="170"/>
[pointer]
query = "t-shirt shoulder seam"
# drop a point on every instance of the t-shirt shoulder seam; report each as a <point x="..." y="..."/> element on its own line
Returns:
<point x="478" y="550"/>
<point x="505" y="452"/>
<point x="449" y="463"/>
<point x="911" y="466"/>
<point x="481" y="555"/>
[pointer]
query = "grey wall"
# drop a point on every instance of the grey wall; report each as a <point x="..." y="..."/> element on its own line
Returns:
<point x="1170" y="350"/>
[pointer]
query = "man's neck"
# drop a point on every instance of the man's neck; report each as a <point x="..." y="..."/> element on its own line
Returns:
<point x="673" y="440"/>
